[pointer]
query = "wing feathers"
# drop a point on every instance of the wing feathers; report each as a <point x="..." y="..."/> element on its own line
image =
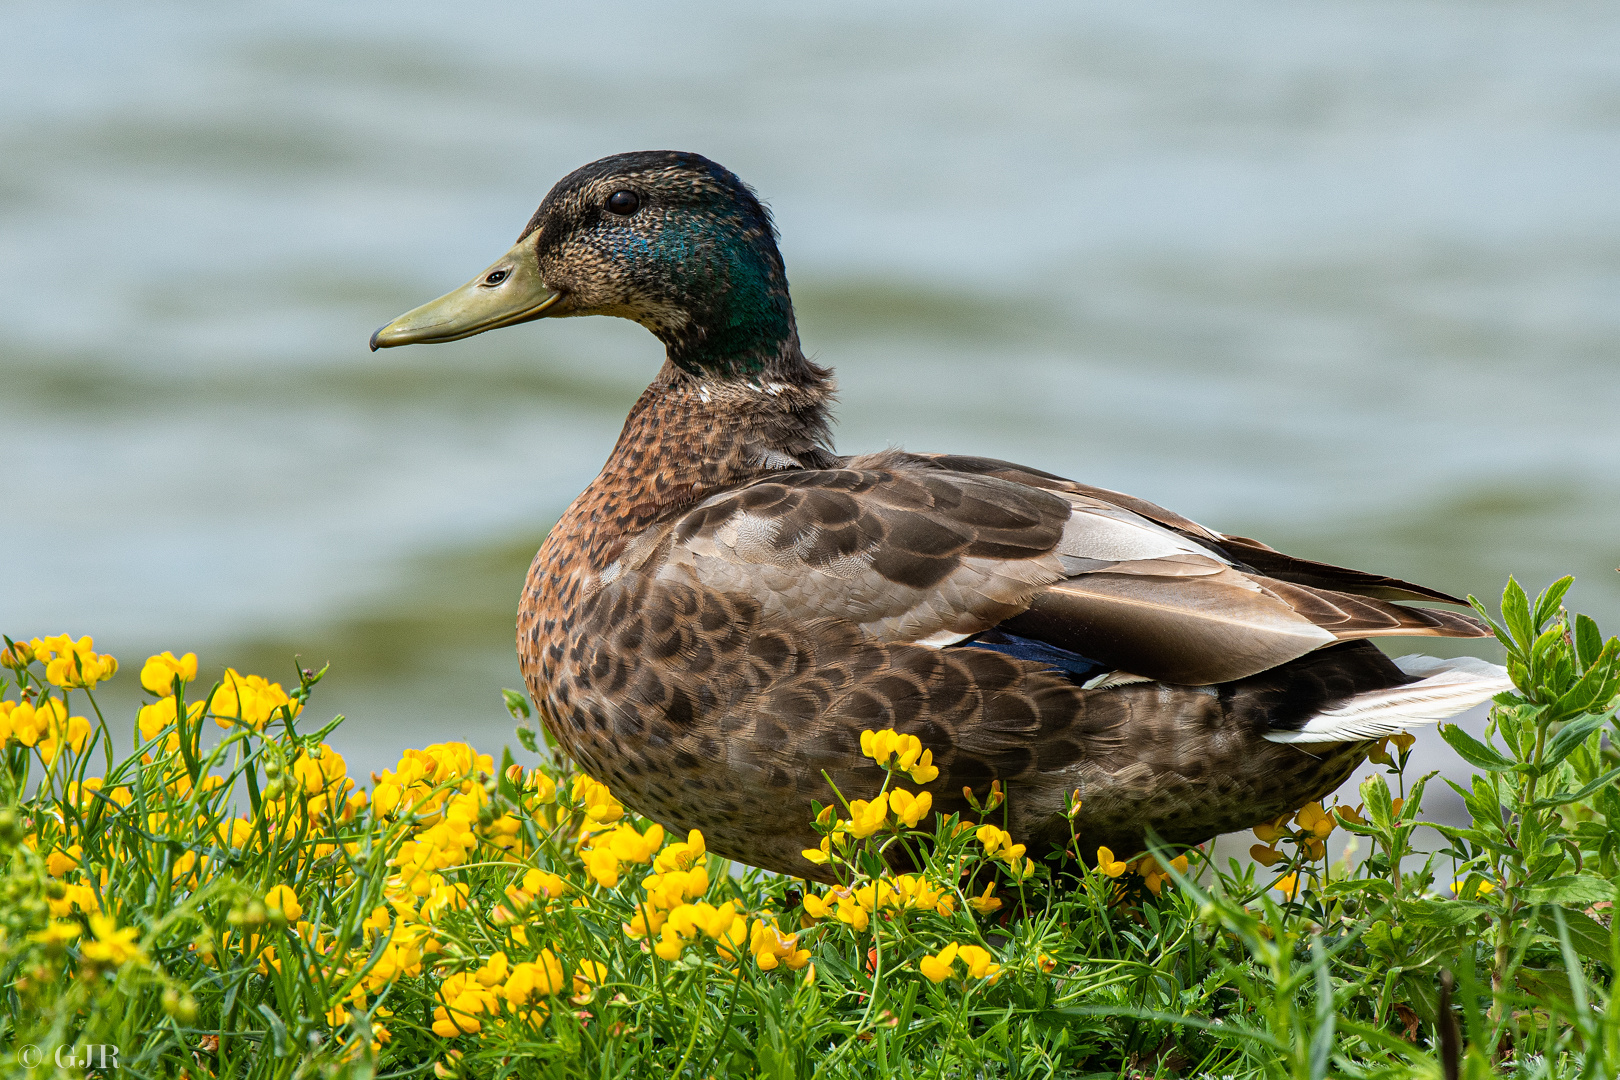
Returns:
<point x="1193" y="631"/>
<point x="1448" y="688"/>
<point x="932" y="549"/>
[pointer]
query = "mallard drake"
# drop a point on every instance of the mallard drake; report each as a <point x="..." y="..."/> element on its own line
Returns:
<point x="719" y="616"/>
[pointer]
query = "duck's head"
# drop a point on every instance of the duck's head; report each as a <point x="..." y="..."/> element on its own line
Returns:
<point x="668" y="239"/>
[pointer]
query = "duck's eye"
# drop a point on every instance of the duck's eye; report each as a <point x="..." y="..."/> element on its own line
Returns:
<point x="495" y="277"/>
<point x="624" y="203"/>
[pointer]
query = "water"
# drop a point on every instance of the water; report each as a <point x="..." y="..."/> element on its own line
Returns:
<point x="1344" y="277"/>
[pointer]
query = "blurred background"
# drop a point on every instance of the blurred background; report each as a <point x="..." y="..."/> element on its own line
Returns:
<point x="1344" y="277"/>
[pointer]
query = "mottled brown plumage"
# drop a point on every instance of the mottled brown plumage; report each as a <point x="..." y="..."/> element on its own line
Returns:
<point x="715" y="620"/>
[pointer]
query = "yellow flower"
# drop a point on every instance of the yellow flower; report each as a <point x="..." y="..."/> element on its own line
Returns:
<point x="772" y="948"/>
<point x="58" y="863"/>
<point x="237" y="832"/>
<point x="1154" y="874"/>
<point x="112" y="947"/>
<point x="590" y="975"/>
<point x="821" y="855"/>
<point x="44" y="725"/>
<point x="602" y="866"/>
<point x="817" y="906"/>
<point x="600" y="805"/>
<point x="998" y="844"/>
<point x="18" y="656"/>
<point x="160" y="671"/>
<point x="993" y="839"/>
<point x="908" y="808"/>
<point x="282" y="898"/>
<point x="987" y="902"/>
<point x="1107" y="864"/>
<point x="630" y="846"/>
<point x="74" y="896"/>
<point x="904" y="753"/>
<point x="924" y="770"/>
<point x="55" y="935"/>
<point x="73" y="664"/>
<point x="154" y="718"/>
<point x="866" y="818"/>
<point x="535" y="884"/>
<point x="937" y="968"/>
<point x="1269" y="832"/>
<point x="1313" y="819"/>
<point x="1264" y="854"/>
<point x="1289" y="886"/>
<point x="1403" y="740"/>
<point x="249" y="699"/>
<point x="682" y="856"/>
<point x="978" y="961"/>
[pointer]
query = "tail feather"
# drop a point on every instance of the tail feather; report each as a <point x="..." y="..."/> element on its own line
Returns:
<point x="1444" y="689"/>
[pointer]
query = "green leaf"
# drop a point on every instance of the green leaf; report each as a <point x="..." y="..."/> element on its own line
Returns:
<point x="1563" y="798"/>
<point x="517" y="703"/>
<point x="278" y="1032"/>
<point x="1441" y="913"/>
<point x="1546" y="647"/>
<point x="1551" y="597"/>
<point x="1352" y="886"/>
<point x="1593" y="687"/>
<point x="1391" y="1044"/>
<point x="1473" y="751"/>
<point x="1321" y="1052"/>
<point x="1485" y="616"/>
<point x="1573" y="735"/>
<point x="1580" y="890"/>
<point x="1516" y="613"/>
<point x="1589" y="937"/>
<point x="1414" y="799"/>
<point x="1361" y="830"/>
<point x="1588" y="640"/>
<point x="1375" y="796"/>
<point x="1548" y="984"/>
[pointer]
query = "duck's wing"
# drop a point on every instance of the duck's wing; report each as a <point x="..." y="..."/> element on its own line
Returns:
<point x="912" y="550"/>
<point x="905" y="555"/>
<point x="1241" y="550"/>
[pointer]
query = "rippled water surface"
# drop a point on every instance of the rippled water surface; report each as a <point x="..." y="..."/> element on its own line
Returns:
<point x="1343" y="276"/>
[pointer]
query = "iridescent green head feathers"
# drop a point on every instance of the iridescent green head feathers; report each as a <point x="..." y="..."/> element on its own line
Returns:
<point x="668" y="239"/>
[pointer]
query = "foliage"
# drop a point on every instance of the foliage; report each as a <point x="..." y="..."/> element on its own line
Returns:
<point x="226" y="901"/>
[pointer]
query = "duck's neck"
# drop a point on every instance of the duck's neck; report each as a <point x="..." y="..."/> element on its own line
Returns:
<point x="723" y="309"/>
<point x="690" y="436"/>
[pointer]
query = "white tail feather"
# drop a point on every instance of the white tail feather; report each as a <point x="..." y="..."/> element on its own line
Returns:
<point x="1446" y="688"/>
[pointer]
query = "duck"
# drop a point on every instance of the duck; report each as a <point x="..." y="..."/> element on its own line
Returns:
<point x="714" y="622"/>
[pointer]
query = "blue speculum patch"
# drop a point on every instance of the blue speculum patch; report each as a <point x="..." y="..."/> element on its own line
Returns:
<point x="1078" y="668"/>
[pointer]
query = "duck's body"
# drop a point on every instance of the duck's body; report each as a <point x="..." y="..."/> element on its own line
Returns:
<point x="717" y="618"/>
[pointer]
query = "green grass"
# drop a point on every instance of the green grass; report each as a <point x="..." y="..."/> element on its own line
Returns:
<point x="227" y="901"/>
